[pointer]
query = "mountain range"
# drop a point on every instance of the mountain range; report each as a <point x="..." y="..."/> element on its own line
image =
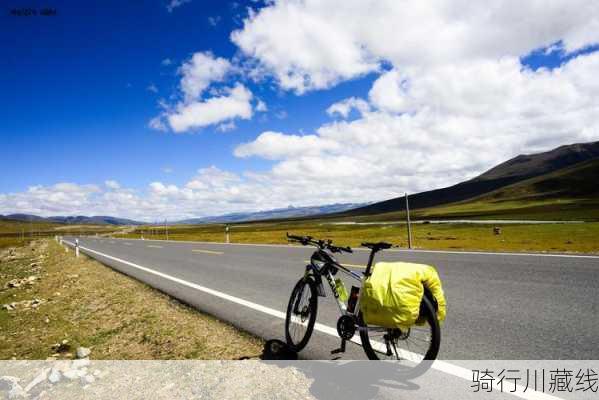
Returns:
<point x="568" y="171"/>
<point x="281" y="213"/>
<point x="519" y="169"/>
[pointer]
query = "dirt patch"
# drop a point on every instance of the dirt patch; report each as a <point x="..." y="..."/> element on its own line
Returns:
<point x="80" y="302"/>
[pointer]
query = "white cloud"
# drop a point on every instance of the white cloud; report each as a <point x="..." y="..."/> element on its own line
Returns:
<point x="200" y="71"/>
<point x="235" y="104"/>
<point x="437" y="127"/>
<point x="152" y="88"/>
<point x="226" y="127"/>
<point x="344" y="107"/>
<point x="314" y="44"/>
<point x="452" y="100"/>
<point x="112" y="184"/>
<point x="158" y="124"/>
<point x="197" y="109"/>
<point x="388" y="92"/>
<point x="276" y="145"/>
<point x="261" y="106"/>
<point x="213" y="21"/>
<point x="166" y="62"/>
<point x="172" y="4"/>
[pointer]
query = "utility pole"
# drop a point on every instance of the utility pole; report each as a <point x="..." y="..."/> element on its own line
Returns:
<point x="408" y="222"/>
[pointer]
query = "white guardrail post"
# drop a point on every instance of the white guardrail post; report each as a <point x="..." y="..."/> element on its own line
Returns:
<point x="76" y="247"/>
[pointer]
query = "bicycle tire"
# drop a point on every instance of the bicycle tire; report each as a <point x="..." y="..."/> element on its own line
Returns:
<point x="430" y="318"/>
<point x="301" y="285"/>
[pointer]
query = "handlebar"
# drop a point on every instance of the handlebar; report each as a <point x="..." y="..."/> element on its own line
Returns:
<point x="321" y="244"/>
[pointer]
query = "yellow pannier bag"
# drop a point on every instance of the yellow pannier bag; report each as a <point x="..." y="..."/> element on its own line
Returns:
<point x="391" y="296"/>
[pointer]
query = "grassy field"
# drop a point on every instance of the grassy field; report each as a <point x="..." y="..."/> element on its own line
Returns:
<point x="562" y="209"/>
<point x="530" y="237"/>
<point x="74" y="308"/>
<point x="17" y="233"/>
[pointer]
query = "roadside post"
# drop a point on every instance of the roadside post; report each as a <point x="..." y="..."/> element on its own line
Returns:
<point x="408" y="222"/>
<point x="227" y="233"/>
<point x="76" y="247"/>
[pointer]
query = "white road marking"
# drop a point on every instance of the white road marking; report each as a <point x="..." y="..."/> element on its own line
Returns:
<point x="481" y="253"/>
<point x="438" y="365"/>
<point x="207" y="251"/>
<point x="127" y="244"/>
<point x="154" y="246"/>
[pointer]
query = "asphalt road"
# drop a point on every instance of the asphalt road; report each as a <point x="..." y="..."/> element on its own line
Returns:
<point x="500" y="306"/>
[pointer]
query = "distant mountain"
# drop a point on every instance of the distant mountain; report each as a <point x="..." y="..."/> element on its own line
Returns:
<point x="281" y="213"/>
<point x="575" y="181"/>
<point x="79" y="220"/>
<point x="515" y="170"/>
<point x="529" y="165"/>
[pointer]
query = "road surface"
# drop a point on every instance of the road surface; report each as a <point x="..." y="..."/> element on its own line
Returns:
<point x="500" y="306"/>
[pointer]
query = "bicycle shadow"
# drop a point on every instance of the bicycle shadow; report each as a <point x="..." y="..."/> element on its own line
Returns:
<point x="353" y="379"/>
<point x="346" y="379"/>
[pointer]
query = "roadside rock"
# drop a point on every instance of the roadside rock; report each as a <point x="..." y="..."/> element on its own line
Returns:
<point x="17" y="392"/>
<point x="24" y="304"/>
<point x="11" y="385"/>
<point x="54" y="376"/>
<point x="83" y="352"/>
<point x="73" y="374"/>
<point x="84" y="362"/>
<point x="8" y="382"/>
<point x="41" y="377"/>
<point x="16" y="283"/>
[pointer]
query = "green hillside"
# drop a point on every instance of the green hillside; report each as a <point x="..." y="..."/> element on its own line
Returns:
<point x="570" y="193"/>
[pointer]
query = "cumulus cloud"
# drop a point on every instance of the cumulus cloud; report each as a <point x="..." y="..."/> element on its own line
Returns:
<point x="235" y="104"/>
<point x="344" y="107"/>
<point x="195" y="110"/>
<point x="451" y="98"/>
<point x="200" y="71"/>
<point x="276" y="145"/>
<point x="432" y="129"/>
<point x="313" y="44"/>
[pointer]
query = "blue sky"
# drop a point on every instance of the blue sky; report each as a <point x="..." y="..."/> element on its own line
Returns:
<point x="75" y="99"/>
<point x="76" y="104"/>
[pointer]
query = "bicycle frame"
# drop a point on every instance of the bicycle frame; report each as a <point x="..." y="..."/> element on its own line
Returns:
<point x="326" y="270"/>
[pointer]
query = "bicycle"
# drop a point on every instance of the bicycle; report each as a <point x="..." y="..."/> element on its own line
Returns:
<point x="418" y="343"/>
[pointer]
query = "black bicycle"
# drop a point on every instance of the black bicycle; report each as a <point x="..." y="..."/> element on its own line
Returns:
<point x="416" y="344"/>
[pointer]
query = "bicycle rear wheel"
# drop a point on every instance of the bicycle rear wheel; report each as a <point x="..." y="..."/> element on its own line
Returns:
<point x="417" y="344"/>
<point x="301" y="314"/>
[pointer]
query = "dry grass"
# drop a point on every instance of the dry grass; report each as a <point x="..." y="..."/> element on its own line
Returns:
<point x="556" y="238"/>
<point x="91" y="305"/>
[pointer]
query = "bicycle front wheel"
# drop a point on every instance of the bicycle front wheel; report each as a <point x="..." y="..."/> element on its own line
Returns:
<point x="301" y="314"/>
<point x="418" y="343"/>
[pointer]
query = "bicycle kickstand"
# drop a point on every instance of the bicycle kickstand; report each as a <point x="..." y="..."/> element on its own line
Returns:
<point x="340" y="349"/>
